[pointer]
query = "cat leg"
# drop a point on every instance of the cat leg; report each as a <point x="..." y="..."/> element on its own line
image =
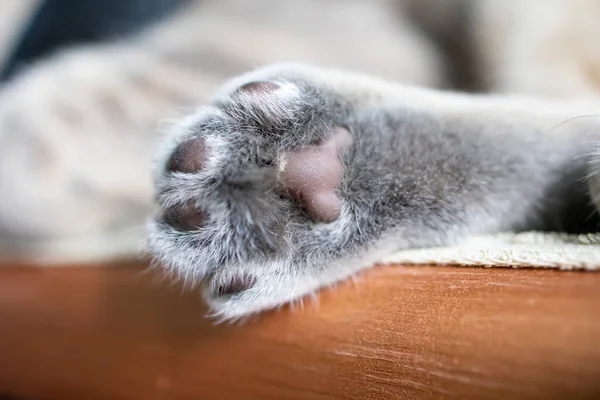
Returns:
<point x="296" y="177"/>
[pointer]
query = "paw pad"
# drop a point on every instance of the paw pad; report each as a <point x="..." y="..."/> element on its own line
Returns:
<point x="188" y="157"/>
<point x="185" y="217"/>
<point x="312" y="175"/>
<point x="237" y="285"/>
<point x="263" y="87"/>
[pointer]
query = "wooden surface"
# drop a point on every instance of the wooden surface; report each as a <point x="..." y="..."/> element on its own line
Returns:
<point x="399" y="333"/>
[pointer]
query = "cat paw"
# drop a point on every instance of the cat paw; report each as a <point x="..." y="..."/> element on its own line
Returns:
<point x="251" y="197"/>
<point x="593" y="178"/>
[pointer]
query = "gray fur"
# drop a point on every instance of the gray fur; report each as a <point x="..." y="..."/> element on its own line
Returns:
<point x="77" y="127"/>
<point x="416" y="176"/>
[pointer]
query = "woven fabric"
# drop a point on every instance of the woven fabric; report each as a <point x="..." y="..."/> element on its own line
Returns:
<point x="530" y="249"/>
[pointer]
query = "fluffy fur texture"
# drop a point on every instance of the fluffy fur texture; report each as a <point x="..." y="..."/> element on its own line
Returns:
<point x="425" y="169"/>
<point x="78" y="132"/>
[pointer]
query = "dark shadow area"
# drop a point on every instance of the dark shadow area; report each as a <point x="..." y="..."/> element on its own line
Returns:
<point x="60" y="23"/>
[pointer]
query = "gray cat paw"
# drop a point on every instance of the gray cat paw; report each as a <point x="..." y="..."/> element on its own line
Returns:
<point x="248" y="195"/>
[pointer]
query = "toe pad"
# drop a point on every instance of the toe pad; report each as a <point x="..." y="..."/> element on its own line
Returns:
<point x="185" y="217"/>
<point x="188" y="157"/>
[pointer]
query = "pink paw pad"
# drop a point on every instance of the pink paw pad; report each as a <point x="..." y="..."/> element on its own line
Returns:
<point x="258" y="87"/>
<point x="188" y="157"/>
<point x="312" y="175"/>
<point x="185" y="217"/>
<point x="237" y="285"/>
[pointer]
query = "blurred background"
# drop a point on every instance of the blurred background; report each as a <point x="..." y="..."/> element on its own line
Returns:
<point x="89" y="86"/>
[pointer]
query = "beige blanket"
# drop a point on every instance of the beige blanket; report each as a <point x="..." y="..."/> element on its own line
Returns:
<point x="530" y="249"/>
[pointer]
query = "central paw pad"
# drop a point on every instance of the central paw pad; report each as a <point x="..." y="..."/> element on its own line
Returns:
<point x="312" y="174"/>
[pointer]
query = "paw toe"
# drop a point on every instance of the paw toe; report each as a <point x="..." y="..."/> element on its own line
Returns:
<point x="258" y="87"/>
<point x="188" y="157"/>
<point x="185" y="217"/>
<point x="237" y="285"/>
